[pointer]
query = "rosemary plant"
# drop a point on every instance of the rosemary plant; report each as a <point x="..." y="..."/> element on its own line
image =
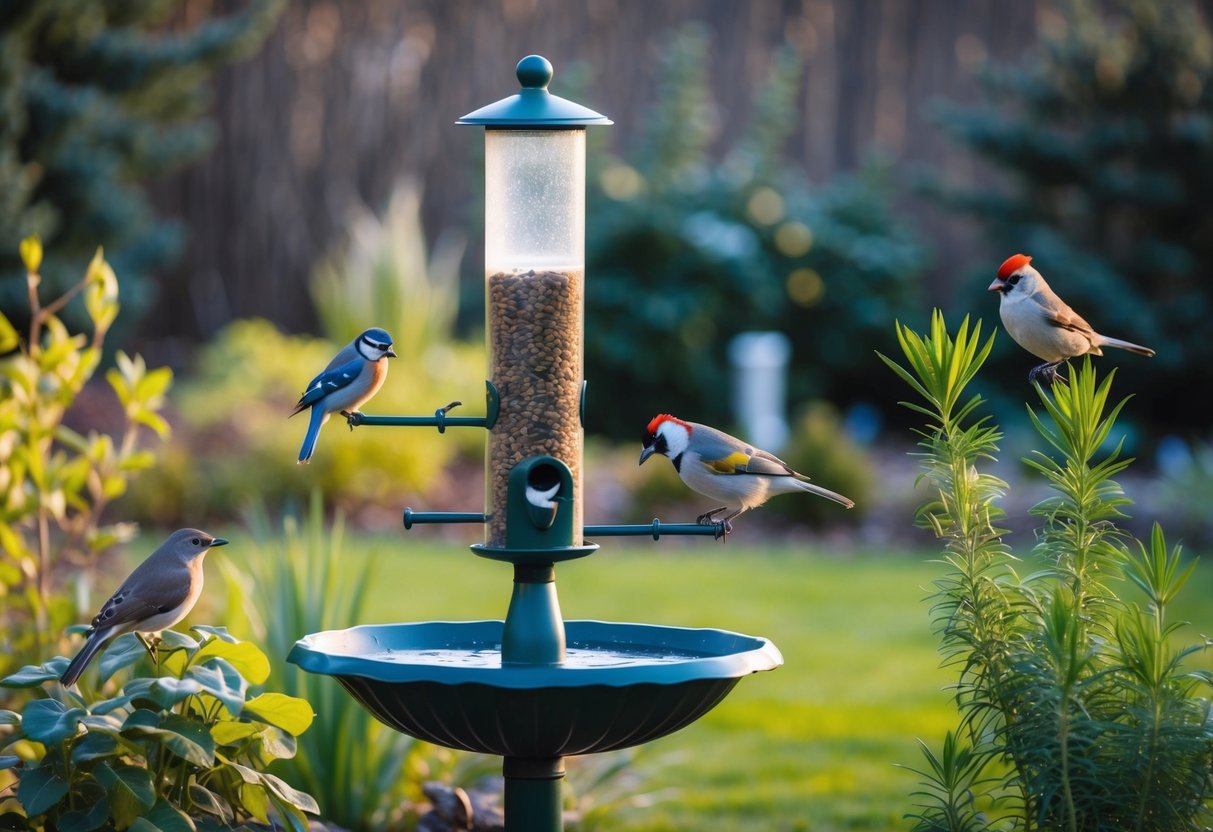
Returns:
<point x="1075" y="710"/>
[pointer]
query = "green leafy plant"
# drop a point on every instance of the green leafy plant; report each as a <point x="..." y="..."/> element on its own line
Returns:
<point x="1076" y="708"/>
<point x="361" y="772"/>
<point x="56" y="482"/>
<point x="183" y="748"/>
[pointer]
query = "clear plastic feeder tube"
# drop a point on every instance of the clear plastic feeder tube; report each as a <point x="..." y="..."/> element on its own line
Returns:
<point x="535" y="307"/>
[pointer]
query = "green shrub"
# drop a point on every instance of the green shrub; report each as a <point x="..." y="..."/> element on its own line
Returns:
<point x="55" y="482"/>
<point x="184" y="747"/>
<point x="820" y="448"/>
<point x="362" y="773"/>
<point x="1076" y="708"/>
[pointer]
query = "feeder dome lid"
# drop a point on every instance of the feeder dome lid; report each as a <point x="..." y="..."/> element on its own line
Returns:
<point x="534" y="106"/>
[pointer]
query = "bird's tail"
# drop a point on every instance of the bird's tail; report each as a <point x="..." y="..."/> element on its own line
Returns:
<point x="1126" y="345"/>
<point x="96" y="639"/>
<point x="824" y="492"/>
<point x="319" y="417"/>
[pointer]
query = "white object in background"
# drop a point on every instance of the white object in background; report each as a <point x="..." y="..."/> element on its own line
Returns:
<point x="760" y="366"/>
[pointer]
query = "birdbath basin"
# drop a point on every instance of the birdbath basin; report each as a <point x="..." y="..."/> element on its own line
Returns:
<point x="620" y="684"/>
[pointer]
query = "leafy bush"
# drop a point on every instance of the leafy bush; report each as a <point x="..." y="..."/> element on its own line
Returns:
<point x="1076" y="710"/>
<point x="56" y="483"/>
<point x="820" y="447"/>
<point x="182" y="748"/>
<point x="687" y="250"/>
<point x="362" y="773"/>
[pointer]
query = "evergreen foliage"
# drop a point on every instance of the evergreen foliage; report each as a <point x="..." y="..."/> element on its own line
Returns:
<point x="691" y="245"/>
<point x="95" y="97"/>
<point x="1076" y="709"/>
<point x="1104" y="134"/>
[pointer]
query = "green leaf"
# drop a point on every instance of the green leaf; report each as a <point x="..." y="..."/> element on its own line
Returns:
<point x="221" y="680"/>
<point x="245" y="657"/>
<point x="50" y="722"/>
<point x="164" y="817"/>
<point x="228" y="731"/>
<point x="153" y="384"/>
<point x="93" y="816"/>
<point x="33" y="675"/>
<point x="167" y="691"/>
<point x="93" y="746"/>
<point x="301" y="800"/>
<point x="171" y="640"/>
<point x="101" y="292"/>
<point x="256" y="801"/>
<point x="289" y="713"/>
<point x="8" y="335"/>
<point x="122" y="652"/>
<point x="130" y="789"/>
<point x="294" y="818"/>
<point x="217" y="632"/>
<point x="40" y="788"/>
<point x="186" y="738"/>
<point x="31" y="253"/>
<point x="207" y="801"/>
<point x="277" y="744"/>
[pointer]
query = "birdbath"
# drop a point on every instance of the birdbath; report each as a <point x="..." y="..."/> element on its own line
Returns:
<point x="534" y="688"/>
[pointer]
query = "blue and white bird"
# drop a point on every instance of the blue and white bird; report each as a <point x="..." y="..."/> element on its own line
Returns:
<point x="347" y="383"/>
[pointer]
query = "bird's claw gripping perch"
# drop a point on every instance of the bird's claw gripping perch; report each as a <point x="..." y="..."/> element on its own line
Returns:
<point x="708" y="518"/>
<point x="1047" y="374"/>
<point x="353" y="418"/>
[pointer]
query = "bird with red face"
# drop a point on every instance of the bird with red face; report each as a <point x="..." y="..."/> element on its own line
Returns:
<point x="724" y="468"/>
<point x="1043" y="324"/>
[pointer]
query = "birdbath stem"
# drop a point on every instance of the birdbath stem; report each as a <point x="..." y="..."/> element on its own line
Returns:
<point x="532" y="794"/>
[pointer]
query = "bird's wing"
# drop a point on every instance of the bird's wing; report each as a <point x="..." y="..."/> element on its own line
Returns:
<point x="1062" y="316"/>
<point x="152" y="588"/>
<point x="758" y="463"/>
<point x="328" y="381"/>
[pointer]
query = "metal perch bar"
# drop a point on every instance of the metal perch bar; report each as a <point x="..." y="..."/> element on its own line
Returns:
<point x="412" y="517"/>
<point x="656" y="528"/>
<point x="440" y="419"/>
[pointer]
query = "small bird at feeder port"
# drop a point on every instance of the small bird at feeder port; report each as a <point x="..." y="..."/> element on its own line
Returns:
<point x="722" y="467"/>
<point x="160" y="592"/>
<point x="348" y="382"/>
<point x="1043" y="324"/>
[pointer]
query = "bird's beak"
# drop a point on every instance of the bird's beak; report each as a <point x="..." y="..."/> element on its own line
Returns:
<point x="390" y="353"/>
<point x="997" y="286"/>
<point x="218" y="541"/>
<point x="646" y="453"/>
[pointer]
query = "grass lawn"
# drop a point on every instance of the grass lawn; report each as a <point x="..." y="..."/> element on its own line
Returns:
<point x="812" y="745"/>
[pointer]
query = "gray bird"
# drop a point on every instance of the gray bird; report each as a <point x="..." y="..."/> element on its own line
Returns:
<point x="159" y="593"/>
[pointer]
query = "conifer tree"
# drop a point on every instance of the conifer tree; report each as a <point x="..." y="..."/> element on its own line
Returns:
<point x="95" y="97"/>
<point x="1105" y="134"/>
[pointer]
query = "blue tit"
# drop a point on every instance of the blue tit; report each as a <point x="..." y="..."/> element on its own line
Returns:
<point x="353" y="376"/>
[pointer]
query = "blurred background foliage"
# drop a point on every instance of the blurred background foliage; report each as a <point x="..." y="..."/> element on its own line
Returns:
<point x="687" y="250"/>
<point x="237" y="449"/>
<point x="1103" y="145"/>
<point x="97" y="98"/>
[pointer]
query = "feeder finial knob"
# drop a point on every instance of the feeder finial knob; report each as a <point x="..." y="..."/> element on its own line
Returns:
<point x="534" y="72"/>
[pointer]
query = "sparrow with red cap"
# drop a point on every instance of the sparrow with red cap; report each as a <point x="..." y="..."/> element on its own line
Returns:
<point x="724" y="468"/>
<point x="1042" y="323"/>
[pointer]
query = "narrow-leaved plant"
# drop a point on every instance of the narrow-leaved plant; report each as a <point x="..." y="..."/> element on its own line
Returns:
<point x="1076" y="712"/>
